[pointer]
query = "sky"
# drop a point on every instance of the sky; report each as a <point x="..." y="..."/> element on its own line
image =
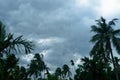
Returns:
<point x="60" y="29"/>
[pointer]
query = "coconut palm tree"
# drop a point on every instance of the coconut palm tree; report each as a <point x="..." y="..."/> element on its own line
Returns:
<point x="9" y="44"/>
<point x="36" y="66"/>
<point x="105" y="37"/>
<point x="66" y="71"/>
<point x="58" y="73"/>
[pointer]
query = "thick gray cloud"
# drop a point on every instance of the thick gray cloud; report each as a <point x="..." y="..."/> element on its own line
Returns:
<point x="59" y="28"/>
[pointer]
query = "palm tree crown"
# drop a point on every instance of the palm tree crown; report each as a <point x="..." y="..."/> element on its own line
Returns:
<point x="105" y="36"/>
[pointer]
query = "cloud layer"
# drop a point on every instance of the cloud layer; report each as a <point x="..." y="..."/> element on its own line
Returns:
<point x="59" y="28"/>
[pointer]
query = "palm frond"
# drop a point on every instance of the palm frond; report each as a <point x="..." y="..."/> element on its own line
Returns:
<point x="5" y="43"/>
<point x="85" y="59"/>
<point x="96" y="29"/>
<point x="97" y="49"/>
<point x="116" y="32"/>
<point x="18" y="44"/>
<point x="8" y="44"/>
<point x="95" y="38"/>
<point x="112" y="22"/>
<point x="116" y="43"/>
<point x="102" y="19"/>
<point x="101" y="23"/>
<point x="2" y="32"/>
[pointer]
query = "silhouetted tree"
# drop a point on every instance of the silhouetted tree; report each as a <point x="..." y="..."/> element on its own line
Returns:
<point x="66" y="71"/>
<point x="36" y="66"/>
<point x="58" y="73"/>
<point x="105" y="36"/>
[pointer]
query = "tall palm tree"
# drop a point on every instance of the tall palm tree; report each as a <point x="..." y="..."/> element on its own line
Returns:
<point x="105" y="36"/>
<point x="9" y="44"/>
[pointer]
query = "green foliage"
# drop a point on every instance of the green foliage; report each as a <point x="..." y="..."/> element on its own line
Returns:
<point x="37" y="66"/>
<point x="91" y="69"/>
<point x="52" y="77"/>
<point x="105" y="36"/>
<point x="9" y="44"/>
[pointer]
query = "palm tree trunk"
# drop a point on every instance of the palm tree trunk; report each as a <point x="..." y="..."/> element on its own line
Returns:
<point x="114" y="65"/>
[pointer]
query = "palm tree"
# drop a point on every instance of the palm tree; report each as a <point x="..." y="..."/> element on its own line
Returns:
<point x="66" y="71"/>
<point x="23" y="73"/>
<point x="36" y="66"/>
<point x="9" y="44"/>
<point x="7" y="67"/>
<point x="58" y="73"/>
<point x="105" y="36"/>
<point x="92" y="69"/>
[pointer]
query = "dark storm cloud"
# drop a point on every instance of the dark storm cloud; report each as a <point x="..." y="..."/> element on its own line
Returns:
<point x="59" y="28"/>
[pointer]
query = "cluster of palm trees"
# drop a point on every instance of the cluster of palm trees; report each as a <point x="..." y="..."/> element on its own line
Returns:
<point x="96" y="67"/>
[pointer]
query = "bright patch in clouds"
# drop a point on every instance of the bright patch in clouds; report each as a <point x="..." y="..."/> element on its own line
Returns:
<point x="82" y="3"/>
<point x="105" y="8"/>
<point x="109" y="7"/>
<point x="46" y="52"/>
<point x="27" y="57"/>
<point x="77" y="59"/>
<point x="50" y="41"/>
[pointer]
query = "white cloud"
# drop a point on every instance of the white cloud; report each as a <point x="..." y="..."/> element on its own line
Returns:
<point x="82" y="3"/>
<point x="50" y="41"/>
<point x="109" y="8"/>
<point x="27" y="57"/>
<point x="77" y="59"/>
<point x="46" y="53"/>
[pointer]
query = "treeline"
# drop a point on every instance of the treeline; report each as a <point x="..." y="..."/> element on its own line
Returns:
<point x="96" y="67"/>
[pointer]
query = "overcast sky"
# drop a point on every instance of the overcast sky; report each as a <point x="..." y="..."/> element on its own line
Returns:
<point x="59" y="28"/>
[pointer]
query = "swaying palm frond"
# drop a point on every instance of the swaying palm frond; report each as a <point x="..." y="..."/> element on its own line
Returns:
<point x="116" y="44"/>
<point x="2" y="32"/>
<point x="96" y="37"/>
<point x="112" y="22"/>
<point x="96" y="29"/>
<point x="116" y="32"/>
<point x="10" y="45"/>
<point x="19" y="43"/>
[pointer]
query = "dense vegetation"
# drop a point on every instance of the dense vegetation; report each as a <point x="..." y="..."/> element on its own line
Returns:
<point x="96" y="67"/>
